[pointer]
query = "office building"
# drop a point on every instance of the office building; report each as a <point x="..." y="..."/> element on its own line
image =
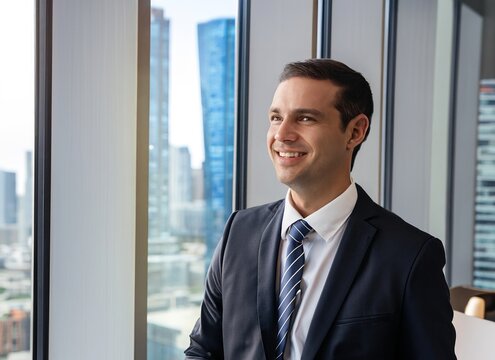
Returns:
<point x="14" y="332"/>
<point x="158" y="210"/>
<point x="8" y="198"/>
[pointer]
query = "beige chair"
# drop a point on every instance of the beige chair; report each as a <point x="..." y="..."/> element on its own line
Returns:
<point x="474" y="302"/>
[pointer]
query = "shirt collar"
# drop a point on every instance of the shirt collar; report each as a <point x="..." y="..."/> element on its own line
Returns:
<point x="326" y="220"/>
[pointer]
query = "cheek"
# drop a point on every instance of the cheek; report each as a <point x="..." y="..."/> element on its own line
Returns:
<point x="269" y="137"/>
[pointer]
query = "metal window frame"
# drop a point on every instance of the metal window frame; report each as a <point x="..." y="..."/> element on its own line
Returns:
<point x="324" y="34"/>
<point x="142" y="164"/>
<point x="42" y="180"/>
<point x="242" y="105"/>
<point x="388" y="102"/>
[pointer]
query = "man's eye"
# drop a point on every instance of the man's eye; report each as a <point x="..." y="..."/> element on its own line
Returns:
<point x="306" y="118"/>
<point x="275" y="118"/>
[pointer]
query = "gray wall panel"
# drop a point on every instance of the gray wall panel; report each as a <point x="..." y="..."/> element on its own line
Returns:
<point x="416" y="28"/>
<point x="93" y="179"/>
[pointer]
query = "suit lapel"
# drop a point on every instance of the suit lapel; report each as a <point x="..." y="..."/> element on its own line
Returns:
<point x="267" y="297"/>
<point x="352" y="250"/>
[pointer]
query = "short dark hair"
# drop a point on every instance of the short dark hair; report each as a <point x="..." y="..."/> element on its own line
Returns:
<point x="354" y="97"/>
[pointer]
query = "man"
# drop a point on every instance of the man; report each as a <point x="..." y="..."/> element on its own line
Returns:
<point x="325" y="273"/>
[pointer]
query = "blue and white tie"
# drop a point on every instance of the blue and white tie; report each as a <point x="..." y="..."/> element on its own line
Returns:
<point x="290" y="282"/>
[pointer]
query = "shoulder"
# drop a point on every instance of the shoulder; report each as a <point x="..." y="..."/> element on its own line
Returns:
<point x="251" y="222"/>
<point x="390" y="227"/>
<point x="392" y="223"/>
<point x="259" y="213"/>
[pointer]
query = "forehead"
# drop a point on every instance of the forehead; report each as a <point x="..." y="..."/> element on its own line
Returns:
<point x="305" y="92"/>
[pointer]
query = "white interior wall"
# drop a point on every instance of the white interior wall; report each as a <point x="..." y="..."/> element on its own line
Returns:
<point x="93" y="180"/>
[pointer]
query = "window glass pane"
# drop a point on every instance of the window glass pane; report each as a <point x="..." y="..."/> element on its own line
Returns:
<point x="192" y="57"/>
<point x="473" y="224"/>
<point x="17" y="30"/>
<point x="484" y="232"/>
<point x="484" y="238"/>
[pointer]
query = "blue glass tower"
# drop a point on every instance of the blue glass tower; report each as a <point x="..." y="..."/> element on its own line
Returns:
<point x="158" y="208"/>
<point x="216" y="40"/>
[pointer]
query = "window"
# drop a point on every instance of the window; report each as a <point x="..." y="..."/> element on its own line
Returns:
<point x="16" y="175"/>
<point x="482" y="21"/>
<point x="191" y="150"/>
<point x="473" y="250"/>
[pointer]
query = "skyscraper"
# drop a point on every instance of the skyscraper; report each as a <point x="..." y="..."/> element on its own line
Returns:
<point x="8" y="198"/>
<point x="180" y="175"/>
<point x="158" y="208"/>
<point x="180" y="189"/>
<point x="216" y="40"/>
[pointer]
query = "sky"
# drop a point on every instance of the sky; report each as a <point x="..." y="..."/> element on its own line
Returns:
<point x="17" y="81"/>
<point x="185" y="93"/>
<point x="17" y="41"/>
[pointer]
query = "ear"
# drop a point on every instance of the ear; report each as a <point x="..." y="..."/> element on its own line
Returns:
<point x="356" y="130"/>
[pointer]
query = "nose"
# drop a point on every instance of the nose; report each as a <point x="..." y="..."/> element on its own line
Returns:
<point x="285" y="131"/>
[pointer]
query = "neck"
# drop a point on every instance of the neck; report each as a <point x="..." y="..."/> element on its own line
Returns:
<point x="307" y="201"/>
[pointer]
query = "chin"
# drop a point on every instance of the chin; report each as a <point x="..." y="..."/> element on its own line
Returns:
<point x="286" y="180"/>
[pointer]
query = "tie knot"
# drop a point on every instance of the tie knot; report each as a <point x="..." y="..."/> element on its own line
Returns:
<point x="299" y="230"/>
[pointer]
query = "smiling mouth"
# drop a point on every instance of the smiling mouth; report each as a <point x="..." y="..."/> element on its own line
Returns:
<point x="287" y="154"/>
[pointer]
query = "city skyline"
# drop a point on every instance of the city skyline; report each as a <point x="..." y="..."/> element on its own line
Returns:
<point x="17" y="117"/>
<point x="185" y="97"/>
<point x="188" y="204"/>
<point x="15" y="261"/>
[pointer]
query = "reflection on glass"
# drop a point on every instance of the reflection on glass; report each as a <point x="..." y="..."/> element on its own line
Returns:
<point x="477" y="25"/>
<point x="484" y="238"/>
<point x="190" y="160"/>
<point x="16" y="176"/>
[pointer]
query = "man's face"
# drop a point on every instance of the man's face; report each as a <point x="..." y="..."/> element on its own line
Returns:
<point x="306" y="142"/>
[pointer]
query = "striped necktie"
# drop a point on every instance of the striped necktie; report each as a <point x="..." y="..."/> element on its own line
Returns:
<point x="290" y="281"/>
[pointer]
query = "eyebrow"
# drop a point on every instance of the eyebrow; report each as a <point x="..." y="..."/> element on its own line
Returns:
<point x="301" y="111"/>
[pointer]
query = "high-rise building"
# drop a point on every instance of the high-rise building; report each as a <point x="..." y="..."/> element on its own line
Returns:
<point x="198" y="189"/>
<point x="14" y="331"/>
<point x="216" y="40"/>
<point x="26" y="208"/>
<point x="180" y="175"/>
<point x="180" y="189"/>
<point x="158" y="208"/>
<point x="484" y="238"/>
<point x="8" y="198"/>
<point x="186" y="212"/>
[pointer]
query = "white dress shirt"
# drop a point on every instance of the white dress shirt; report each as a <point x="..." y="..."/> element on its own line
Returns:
<point x="320" y="247"/>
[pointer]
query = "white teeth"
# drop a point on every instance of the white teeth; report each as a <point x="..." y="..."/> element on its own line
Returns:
<point x="290" y="154"/>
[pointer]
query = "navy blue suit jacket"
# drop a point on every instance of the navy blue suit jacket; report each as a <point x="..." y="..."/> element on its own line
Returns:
<point x="385" y="296"/>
